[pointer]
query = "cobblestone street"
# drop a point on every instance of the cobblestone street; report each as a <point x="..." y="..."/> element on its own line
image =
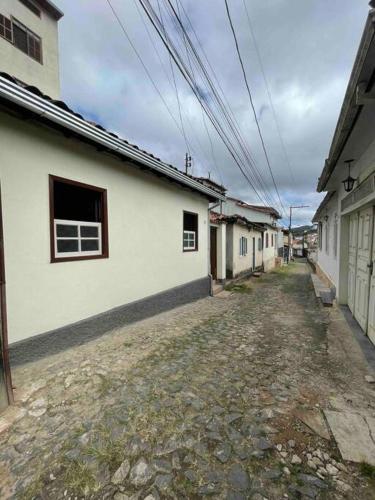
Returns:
<point x="210" y="399"/>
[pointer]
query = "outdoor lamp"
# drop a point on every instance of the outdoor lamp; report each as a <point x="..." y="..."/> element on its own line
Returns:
<point x="349" y="181"/>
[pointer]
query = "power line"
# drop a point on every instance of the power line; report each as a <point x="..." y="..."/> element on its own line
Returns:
<point x="231" y="121"/>
<point x="144" y="66"/>
<point x="269" y="93"/>
<point x="251" y="101"/>
<point x="187" y="76"/>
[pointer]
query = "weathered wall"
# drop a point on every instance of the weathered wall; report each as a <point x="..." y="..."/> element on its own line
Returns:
<point x="145" y="219"/>
<point x="15" y="62"/>
<point x="236" y="263"/>
<point x="269" y="253"/>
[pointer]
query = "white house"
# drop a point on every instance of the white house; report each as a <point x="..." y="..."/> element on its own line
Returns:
<point x="29" y="43"/>
<point x="95" y="232"/>
<point x="346" y="250"/>
<point x="244" y="244"/>
<point x="267" y="217"/>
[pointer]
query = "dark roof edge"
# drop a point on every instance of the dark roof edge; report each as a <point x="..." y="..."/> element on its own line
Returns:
<point x="257" y="208"/>
<point x="51" y="8"/>
<point x="322" y="205"/>
<point x="349" y="109"/>
<point x="61" y="115"/>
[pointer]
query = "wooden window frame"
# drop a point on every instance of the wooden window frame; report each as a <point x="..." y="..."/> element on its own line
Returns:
<point x="29" y="33"/>
<point x="104" y="223"/>
<point x="243" y="246"/>
<point x="7" y="29"/>
<point x="196" y="232"/>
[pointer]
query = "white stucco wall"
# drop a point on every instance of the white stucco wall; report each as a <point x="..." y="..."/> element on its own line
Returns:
<point x="269" y="253"/>
<point x="237" y="263"/>
<point x="15" y="62"/>
<point x="230" y="207"/>
<point x="328" y="262"/>
<point x="326" y="258"/>
<point x="145" y="219"/>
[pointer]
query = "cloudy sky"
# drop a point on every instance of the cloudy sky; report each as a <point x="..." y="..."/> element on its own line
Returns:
<point x="307" y="50"/>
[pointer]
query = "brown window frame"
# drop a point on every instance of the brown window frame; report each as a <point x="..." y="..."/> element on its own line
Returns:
<point x="196" y="232"/>
<point x="29" y="34"/>
<point x="104" y="222"/>
<point x="6" y="28"/>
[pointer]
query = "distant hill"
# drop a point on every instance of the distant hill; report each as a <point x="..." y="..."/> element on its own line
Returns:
<point x="301" y="229"/>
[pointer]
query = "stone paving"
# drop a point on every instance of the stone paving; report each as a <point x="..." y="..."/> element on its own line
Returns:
<point x="221" y="398"/>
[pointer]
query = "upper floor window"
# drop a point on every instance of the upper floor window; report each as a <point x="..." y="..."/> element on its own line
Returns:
<point x="78" y="220"/>
<point x="26" y="41"/>
<point x="190" y="232"/>
<point x="31" y="6"/>
<point x="5" y="28"/>
<point x="21" y="37"/>
<point x="243" y="246"/>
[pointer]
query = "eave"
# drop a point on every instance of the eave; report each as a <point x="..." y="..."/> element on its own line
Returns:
<point x="51" y="114"/>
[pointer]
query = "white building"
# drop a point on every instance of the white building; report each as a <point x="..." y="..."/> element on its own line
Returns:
<point x="244" y="245"/>
<point x="346" y="250"/>
<point x="267" y="217"/>
<point x="94" y="232"/>
<point x="29" y="43"/>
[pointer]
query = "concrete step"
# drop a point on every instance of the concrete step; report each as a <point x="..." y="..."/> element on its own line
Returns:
<point x="217" y="288"/>
<point x="322" y="292"/>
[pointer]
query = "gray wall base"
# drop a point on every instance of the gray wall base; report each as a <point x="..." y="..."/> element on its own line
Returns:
<point x="83" y="331"/>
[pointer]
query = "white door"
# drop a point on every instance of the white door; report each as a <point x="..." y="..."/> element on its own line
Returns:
<point x="353" y="236"/>
<point x="371" y="310"/>
<point x="362" y="282"/>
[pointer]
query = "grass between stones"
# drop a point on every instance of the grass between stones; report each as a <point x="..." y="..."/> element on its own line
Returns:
<point x="238" y="287"/>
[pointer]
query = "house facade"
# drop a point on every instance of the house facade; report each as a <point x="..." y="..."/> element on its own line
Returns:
<point x="267" y="218"/>
<point x="345" y="218"/>
<point x="29" y="43"/>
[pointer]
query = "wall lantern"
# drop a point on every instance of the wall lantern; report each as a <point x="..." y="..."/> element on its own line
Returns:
<point x="326" y="218"/>
<point x="349" y="181"/>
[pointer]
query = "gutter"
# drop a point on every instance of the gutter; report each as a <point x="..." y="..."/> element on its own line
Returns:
<point x="27" y="100"/>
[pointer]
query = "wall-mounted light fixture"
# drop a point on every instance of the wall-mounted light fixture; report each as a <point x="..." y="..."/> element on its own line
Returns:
<point x="349" y="181"/>
<point x="326" y="218"/>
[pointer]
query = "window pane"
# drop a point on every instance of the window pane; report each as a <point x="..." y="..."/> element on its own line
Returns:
<point x="77" y="203"/>
<point x="89" y="232"/>
<point x="89" y="245"/>
<point x="5" y="28"/>
<point x="190" y="222"/>
<point x="34" y="47"/>
<point x="20" y="38"/>
<point x="67" y="246"/>
<point x="64" y="231"/>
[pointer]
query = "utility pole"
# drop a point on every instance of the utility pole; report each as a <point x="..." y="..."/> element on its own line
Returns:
<point x="187" y="163"/>
<point x="290" y="227"/>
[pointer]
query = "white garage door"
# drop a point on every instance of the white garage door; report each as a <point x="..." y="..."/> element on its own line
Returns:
<point x="364" y="254"/>
<point x="371" y="312"/>
<point x="353" y="236"/>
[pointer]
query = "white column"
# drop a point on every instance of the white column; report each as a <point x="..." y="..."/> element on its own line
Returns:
<point x="221" y="244"/>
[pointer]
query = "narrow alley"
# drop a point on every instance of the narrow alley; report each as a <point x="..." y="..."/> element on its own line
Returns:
<point x="222" y="398"/>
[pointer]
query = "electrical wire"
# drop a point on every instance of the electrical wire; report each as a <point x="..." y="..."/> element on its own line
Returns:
<point x="251" y="101"/>
<point x="268" y="89"/>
